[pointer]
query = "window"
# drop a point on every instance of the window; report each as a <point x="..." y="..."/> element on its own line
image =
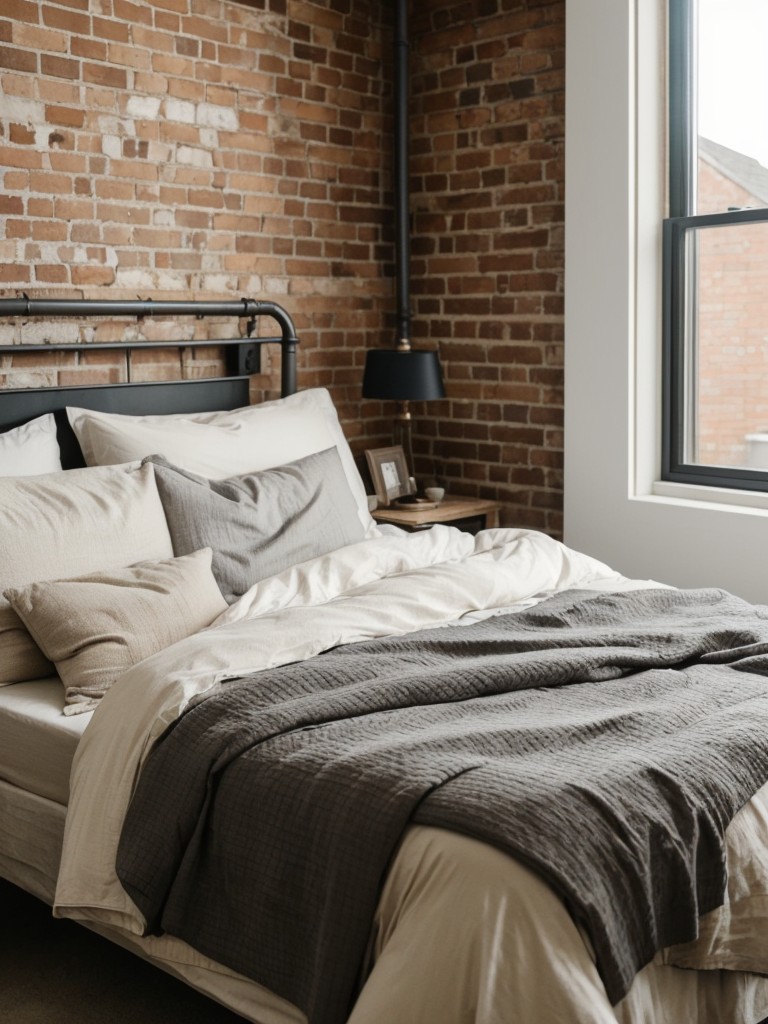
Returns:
<point x="715" y="428"/>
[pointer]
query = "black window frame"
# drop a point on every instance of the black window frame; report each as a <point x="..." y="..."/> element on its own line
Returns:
<point x="679" y="263"/>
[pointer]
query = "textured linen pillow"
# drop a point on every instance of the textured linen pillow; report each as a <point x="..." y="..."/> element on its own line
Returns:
<point x="65" y="524"/>
<point x="259" y="523"/>
<point x="31" y="448"/>
<point x="96" y="626"/>
<point x="222" y="444"/>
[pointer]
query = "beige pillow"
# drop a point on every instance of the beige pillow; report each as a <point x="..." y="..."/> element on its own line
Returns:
<point x="95" y="627"/>
<point x="66" y="524"/>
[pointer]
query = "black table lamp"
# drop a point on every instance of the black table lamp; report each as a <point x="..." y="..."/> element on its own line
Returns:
<point x="403" y="375"/>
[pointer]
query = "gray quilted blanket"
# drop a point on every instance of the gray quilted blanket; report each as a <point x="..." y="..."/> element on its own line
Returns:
<point x="604" y="740"/>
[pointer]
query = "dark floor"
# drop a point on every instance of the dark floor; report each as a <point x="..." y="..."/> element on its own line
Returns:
<point x="57" y="972"/>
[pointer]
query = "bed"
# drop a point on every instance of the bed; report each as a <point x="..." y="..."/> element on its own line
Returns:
<point x="460" y="930"/>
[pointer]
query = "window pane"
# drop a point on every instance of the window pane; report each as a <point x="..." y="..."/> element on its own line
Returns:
<point x="727" y="346"/>
<point x="732" y="92"/>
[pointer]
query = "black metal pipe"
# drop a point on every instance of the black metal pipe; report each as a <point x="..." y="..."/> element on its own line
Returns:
<point x="148" y="307"/>
<point x="249" y="308"/>
<point x="402" y="211"/>
<point x="133" y="346"/>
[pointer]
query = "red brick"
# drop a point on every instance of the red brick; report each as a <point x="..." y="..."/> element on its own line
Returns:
<point x="18" y="59"/>
<point x="133" y="13"/>
<point x="103" y="74"/>
<point x="22" y="10"/>
<point x="65" y="116"/>
<point x="14" y="272"/>
<point x="55" y="273"/>
<point x="49" y="231"/>
<point x="59" y="67"/>
<point x="90" y="275"/>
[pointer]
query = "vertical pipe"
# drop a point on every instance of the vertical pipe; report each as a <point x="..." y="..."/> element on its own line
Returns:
<point x="402" y="212"/>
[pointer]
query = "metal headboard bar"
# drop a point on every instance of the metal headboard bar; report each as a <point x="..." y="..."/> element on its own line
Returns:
<point x="241" y="308"/>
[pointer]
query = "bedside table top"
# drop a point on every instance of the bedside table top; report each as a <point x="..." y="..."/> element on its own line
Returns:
<point x="447" y="511"/>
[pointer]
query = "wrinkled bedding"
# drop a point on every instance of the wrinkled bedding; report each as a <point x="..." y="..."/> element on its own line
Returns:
<point x="608" y="717"/>
<point x="382" y="587"/>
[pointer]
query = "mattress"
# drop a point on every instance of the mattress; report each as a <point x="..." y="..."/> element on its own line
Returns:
<point x="37" y="741"/>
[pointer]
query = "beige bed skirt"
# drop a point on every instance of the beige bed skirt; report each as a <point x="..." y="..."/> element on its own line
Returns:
<point x="458" y="920"/>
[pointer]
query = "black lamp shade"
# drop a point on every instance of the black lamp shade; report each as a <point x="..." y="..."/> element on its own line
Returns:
<point x="403" y="376"/>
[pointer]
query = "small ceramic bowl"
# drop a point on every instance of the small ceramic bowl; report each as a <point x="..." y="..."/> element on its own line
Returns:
<point x="435" y="493"/>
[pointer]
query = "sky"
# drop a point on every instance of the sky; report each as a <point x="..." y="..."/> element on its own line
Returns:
<point x="733" y="75"/>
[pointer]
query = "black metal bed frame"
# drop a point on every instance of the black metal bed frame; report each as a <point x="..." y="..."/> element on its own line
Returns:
<point x="18" y="405"/>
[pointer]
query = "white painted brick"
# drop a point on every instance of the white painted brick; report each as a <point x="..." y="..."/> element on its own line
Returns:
<point x="194" y="156"/>
<point x="218" y="284"/>
<point x="146" y="107"/>
<point x="179" y="110"/>
<point x="159" y="152"/>
<point x="171" y="280"/>
<point x="149" y="281"/>
<point x="271" y="285"/>
<point x="31" y="378"/>
<point x="216" y="116"/>
<point x="111" y="146"/>
<point x="210" y="261"/>
<point x="135" y="279"/>
<point x="163" y="218"/>
<point x="23" y="111"/>
<point x="108" y="124"/>
<point x="49" y="252"/>
<point x="42" y="134"/>
<point x="39" y="332"/>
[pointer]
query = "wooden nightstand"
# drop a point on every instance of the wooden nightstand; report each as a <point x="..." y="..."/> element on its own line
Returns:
<point x="469" y="514"/>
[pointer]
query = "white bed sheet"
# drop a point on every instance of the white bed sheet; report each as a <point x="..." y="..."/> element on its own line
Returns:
<point x="37" y="741"/>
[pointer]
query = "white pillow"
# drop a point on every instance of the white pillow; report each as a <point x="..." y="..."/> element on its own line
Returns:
<point x="31" y="448"/>
<point x="218" y="445"/>
<point x="66" y="524"/>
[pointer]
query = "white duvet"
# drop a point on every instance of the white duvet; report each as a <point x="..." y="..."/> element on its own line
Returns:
<point x="463" y="933"/>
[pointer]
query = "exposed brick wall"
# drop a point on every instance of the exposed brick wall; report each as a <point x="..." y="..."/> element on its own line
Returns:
<point x="178" y="149"/>
<point x="188" y="149"/>
<point x="488" y="195"/>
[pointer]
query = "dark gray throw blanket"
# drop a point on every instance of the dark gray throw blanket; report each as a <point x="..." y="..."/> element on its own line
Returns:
<point x="604" y="740"/>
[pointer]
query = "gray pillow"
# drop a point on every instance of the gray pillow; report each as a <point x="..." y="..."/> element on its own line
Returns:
<point x="259" y="523"/>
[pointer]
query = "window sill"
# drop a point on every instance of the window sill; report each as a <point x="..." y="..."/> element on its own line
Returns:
<point x="723" y="499"/>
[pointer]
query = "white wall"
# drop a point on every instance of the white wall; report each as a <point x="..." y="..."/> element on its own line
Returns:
<point x="615" y="180"/>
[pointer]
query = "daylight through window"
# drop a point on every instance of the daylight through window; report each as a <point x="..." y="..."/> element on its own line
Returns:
<point x="716" y="246"/>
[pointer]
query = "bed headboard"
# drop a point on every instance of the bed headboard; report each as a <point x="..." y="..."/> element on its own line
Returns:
<point x="196" y="395"/>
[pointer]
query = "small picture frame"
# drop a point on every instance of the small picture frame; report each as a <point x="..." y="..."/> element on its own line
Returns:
<point x="389" y="472"/>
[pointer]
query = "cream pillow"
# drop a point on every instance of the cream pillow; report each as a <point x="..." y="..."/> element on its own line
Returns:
<point x="96" y="626"/>
<point x="66" y="524"/>
<point x="31" y="448"/>
<point x="218" y="445"/>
